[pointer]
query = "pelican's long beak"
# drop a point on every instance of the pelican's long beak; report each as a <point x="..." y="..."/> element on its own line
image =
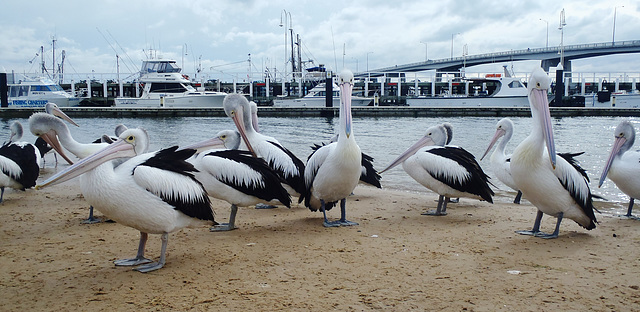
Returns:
<point x="615" y="149"/>
<point x="424" y="141"/>
<point x="498" y="135"/>
<point x="237" y="117"/>
<point x="52" y="139"/>
<point x="345" y="102"/>
<point x="540" y="100"/>
<point x="213" y="143"/>
<point x="118" y="149"/>
<point x="57" y="112"/>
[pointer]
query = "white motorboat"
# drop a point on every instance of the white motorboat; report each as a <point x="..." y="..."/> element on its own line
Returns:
<point x="317" y="98"/>
<point x="505" y="90"/>
<point x="164" y="86"/>
<point x="37" y="92"/>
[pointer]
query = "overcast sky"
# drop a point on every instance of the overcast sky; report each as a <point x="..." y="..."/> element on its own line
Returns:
<point x="219" y="35"/>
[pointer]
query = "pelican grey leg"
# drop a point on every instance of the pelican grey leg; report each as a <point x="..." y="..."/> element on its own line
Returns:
<point x="1" y="194"/>
<point x="139" y="259"/>
<point x="227" y="226"/>
<point x="343" y="214"/>
<point x="555" y="233"/>
<point x="326" y="222"/>
<point x="628" y="215"/>
<point x="156" y="265"/>
<point x="536" y="226"/>
<point x="440" y="211"/>
<point x="90" y="219"/>
<point x="518" y="197"/>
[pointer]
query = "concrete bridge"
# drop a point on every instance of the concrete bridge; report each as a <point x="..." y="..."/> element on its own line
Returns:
<point x="549" y="57"/>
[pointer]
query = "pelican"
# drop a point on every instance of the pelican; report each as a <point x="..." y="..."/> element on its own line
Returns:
<point x="552" y="184"/>
<point x="154" y="193"/>
<point x="449" y="171"/>
<point x="235" y="176"/>
<point x="623" y="165"/>
<point x="56" y="133"/>
<point x="368" y="174"/>
<point x="333" y="171"/>
<point x="19" y="162"/>
<point x="501" y="162"/>
<point x="280" y="159"/>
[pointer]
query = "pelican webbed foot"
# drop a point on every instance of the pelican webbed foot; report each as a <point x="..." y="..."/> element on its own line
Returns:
<point x="222" y="227"/>
<point x="265" y="206"/>
<point x="91" y="219"/>
<point x="132" y="262"/>
<point x="149" y="267"/>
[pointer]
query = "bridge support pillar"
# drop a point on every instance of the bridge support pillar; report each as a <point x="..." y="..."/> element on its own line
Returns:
<point x="546" y="64"/>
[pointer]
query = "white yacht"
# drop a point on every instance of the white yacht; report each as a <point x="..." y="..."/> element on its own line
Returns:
<point x="164" y="86"/>
<point x="497" y="90"/>
<point x="317" y="98"/>
<point x="37" y="92"/>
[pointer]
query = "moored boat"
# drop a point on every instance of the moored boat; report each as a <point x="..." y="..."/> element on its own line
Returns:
<point x="163" y="85"/>
<point x="37" y="92"/>
<point x="317" y="97"/>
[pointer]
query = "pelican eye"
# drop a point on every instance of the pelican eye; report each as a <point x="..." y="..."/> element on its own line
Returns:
<point x="224" y="136"/>
<point x="538" y="84"/>
<point x="130" y="138"/>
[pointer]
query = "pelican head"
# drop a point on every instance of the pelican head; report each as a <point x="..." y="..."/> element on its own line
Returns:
<point x="436" y="135"/>
<point x="346" y="88"/>
<point x="16" y="131"/>
<point x="237" y="106"/>
<point x="229" y="139"/>
<point x="47" y="127"/>
<point x="53" y="109"/>
<point x="538" y="88"/>
<point x="130" y="143"/>
<point x="625" y="135"/>
<point x="504" y="126"/>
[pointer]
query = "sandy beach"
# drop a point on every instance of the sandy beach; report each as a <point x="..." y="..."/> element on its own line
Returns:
<point x="284" y="259"/>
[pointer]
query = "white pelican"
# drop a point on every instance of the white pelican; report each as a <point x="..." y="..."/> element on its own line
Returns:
<point x="280" y="159"/>
<point x="56" y="133"/>
<point x="368" y="174"/>
<point x="235" y="176"/>
<point x="501" y="162"/>
<point x="449" y="171"/>
<point x="155" y="193"/>
<point x="623" y="165"/>
<point x="552" y="184"/>
<point x="333" y="171"/>
<point x="19" y="162"/>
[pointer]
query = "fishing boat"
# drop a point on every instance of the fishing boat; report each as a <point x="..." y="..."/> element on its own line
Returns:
<point x="317" y="97"/>
<point x="491" y="91"/>
<point x="37" y="92"/>
<point x="163" y="85"/>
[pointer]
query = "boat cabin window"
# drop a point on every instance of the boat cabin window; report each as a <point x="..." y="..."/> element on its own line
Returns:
<point x="515" y="84"/>
<point x="46" y="88"/>
<point x="167" y="87"/>
<point x="160" y="67"/>
<point x="16" y="91"/>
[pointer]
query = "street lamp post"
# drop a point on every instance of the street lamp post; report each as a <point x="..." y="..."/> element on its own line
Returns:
<point x="426" y="50"/>
<point x="452" y="35"/>
<point x="368" y="60"/>
<point x="613" y="38"/>
<point x="284" y="14"/>
<point x="547" y="31"/>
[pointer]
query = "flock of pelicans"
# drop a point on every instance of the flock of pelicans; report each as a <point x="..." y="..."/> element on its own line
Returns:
<point x="164" y="191"/>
